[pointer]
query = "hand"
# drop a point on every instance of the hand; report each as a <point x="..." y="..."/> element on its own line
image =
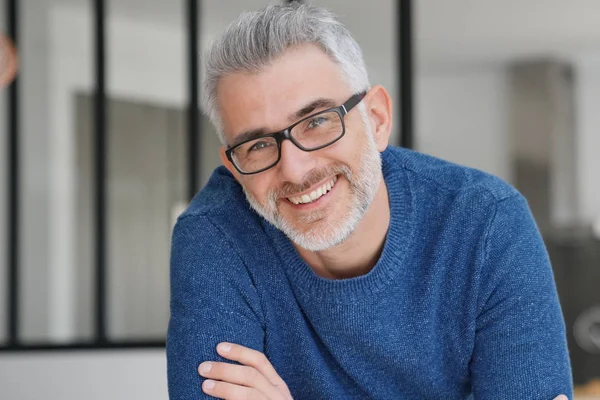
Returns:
<point x="561" y="397"/>
<point x="255" y="379"/>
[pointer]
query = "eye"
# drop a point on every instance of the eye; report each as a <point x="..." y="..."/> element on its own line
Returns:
<point x="317" y="121"/>
<point x="259" y="146"/>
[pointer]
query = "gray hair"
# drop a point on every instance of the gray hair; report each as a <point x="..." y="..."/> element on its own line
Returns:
<point x="256" y="38"/>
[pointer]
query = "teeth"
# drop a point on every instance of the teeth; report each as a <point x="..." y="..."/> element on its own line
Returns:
<point x="315" y="194"/>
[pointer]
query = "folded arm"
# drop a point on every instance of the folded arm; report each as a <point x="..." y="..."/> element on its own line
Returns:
<point x="213" y="300"/>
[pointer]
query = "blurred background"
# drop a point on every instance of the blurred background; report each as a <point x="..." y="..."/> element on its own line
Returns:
<point x="102" y="145"/>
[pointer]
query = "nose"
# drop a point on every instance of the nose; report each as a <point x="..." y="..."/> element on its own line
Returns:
<point x="295" y="163"/>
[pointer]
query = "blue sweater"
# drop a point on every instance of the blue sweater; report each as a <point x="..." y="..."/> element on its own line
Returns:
<point x="461" y="302"/>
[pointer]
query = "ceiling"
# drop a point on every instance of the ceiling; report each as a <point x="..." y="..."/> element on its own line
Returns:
<point x="460" y="31"/>
<point x="446" y="31"/>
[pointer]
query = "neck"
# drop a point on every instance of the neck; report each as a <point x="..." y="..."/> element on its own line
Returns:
<point x="358" y="254"/>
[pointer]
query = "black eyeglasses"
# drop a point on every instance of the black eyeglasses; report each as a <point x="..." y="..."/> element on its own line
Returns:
<point x="311" y="133"/>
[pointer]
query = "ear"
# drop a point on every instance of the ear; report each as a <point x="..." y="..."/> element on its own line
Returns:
<point x="379" y="109"/>
<point x="228" y="163"/>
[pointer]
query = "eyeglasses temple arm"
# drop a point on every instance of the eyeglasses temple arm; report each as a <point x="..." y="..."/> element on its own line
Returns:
<point x="352" y="102"/>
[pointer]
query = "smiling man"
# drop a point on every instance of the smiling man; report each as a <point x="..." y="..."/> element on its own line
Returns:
<point x="321" y="263"/>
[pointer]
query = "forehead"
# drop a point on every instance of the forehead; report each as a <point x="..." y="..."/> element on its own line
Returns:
<point x="266" y="99"/>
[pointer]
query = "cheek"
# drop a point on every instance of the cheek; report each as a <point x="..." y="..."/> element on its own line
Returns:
<point x="260" y="187"/>
<point x="348" y="151"/>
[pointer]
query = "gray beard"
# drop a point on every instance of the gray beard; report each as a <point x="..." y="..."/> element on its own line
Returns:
<point x="363" y="188"/>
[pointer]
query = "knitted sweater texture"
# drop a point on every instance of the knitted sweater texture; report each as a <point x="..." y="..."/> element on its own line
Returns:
<point x="462" y="301"/>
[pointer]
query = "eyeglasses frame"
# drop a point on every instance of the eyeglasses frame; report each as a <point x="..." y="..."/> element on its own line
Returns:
<point x="284" y="134"/>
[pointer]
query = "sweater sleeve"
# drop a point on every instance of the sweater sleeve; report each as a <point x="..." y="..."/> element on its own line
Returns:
<point x="213" y="299"/>
<point x="520" y="349"/>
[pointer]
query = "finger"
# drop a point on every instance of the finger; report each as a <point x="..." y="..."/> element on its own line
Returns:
<point x="251" y="358"/>
<point x="229" y="391"/>
<point x="238" y="375"/>
<point x="561" y="397"/>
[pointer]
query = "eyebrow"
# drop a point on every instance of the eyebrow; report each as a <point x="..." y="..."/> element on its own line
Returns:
<point x="304" y="111"/>
<point x="310" y="107"/>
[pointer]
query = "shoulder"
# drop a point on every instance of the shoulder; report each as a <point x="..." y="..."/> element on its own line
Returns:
<point x="221" y="194"/>
<point x="223" y="203"/>
<point x="219" y="221"/>
<point x="428" y="175"/>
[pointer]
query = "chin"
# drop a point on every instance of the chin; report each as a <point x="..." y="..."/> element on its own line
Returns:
<point x="321" y="235"/>
<point x="313" y="241"/>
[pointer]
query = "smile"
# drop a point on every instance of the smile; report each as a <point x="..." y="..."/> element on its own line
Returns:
<point x="315" y="194"/>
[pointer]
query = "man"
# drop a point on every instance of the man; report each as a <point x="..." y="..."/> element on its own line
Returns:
<point x="321" y="263"/>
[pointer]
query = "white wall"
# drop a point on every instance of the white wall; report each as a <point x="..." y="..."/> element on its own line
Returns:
<point x="461" y="115"/>
<point x="34" y="179"/>
<point x="70" y="71"/>
<point x="588" y="137"/>
<point x="90" y="375"/>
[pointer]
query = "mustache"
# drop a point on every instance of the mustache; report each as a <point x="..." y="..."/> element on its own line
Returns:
<point x="288" y="188"/>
